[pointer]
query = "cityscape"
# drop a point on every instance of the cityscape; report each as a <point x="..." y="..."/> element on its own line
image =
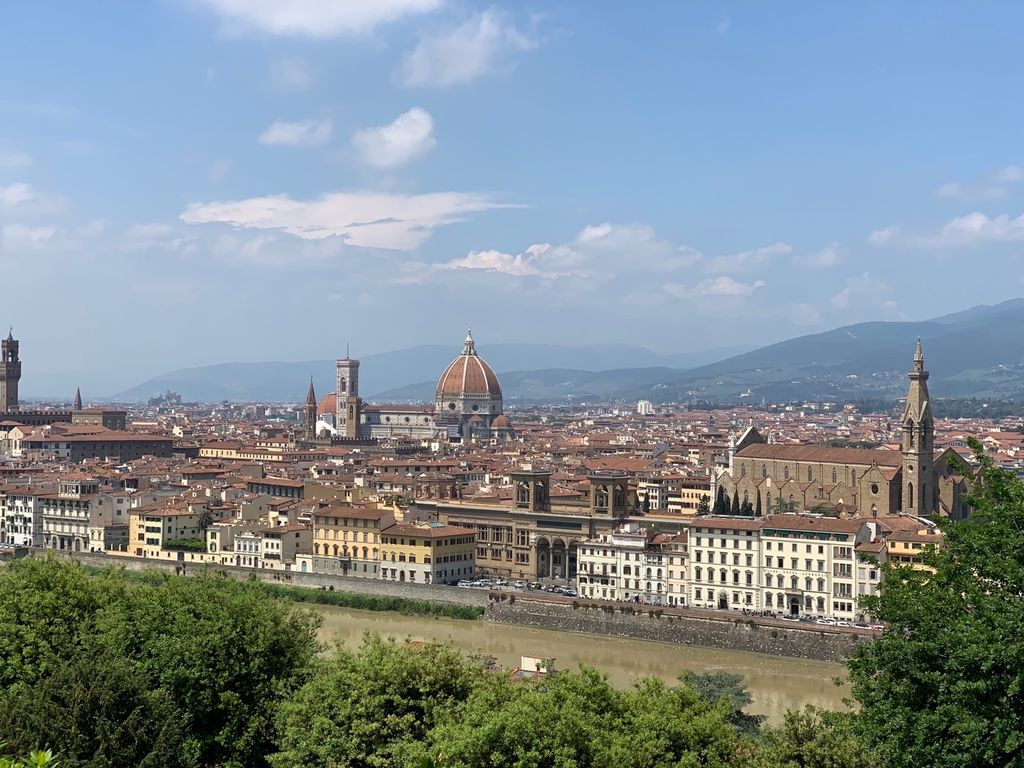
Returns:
<point x="434" y="384"/>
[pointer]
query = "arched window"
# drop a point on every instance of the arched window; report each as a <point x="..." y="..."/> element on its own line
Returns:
<point x="821" y="585"/>
<point x="807" y="583"/>
<point x="343" y="385"/>
<point x="794" y="582"/>
<point x="768" y="580"/>
<point x="743" y="471"/>
<point x="910" y="434"/>
<point x="697" y="574"/>
<point x="835" y="477"/>
<point x="810" y="475"/>
<point x="853" y="477"/>
<point x="723" y="576"/>
<point x="735" y="577"/>
<point x="785" y="472"/>
<point x="659" y="573"/>
<point x="910" y="495"/>
<point x="764" y="471"/>
<point x="769" y="600"/>
<point x="821" y="605"/>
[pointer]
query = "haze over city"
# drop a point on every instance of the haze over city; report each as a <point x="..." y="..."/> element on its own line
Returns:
<point x="202" y="181"/>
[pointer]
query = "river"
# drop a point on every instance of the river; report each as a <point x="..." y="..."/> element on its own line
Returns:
<point x="776" y="683"/>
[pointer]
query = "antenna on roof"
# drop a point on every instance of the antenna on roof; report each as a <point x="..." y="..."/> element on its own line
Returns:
<point x="346" y="350"/>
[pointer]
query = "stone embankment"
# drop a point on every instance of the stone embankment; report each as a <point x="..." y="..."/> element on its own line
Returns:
<point x="437" y="594"/>
<point x="712" y="629"/>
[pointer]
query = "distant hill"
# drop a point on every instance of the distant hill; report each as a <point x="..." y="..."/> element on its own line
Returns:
<point x="549" y="385"/>
<point x="390" y="375"/>
<point x="975" y="353"/>
<point x="978" y="352"/>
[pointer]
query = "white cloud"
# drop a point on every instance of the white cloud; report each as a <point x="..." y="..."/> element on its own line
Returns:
<point x="291" y="73"/>
<point x="305" y="133"/>
<point x="975" y="228"/>
<point x="863" y="292"/>
<point x="408" y="136"/>
<point x="461" y="54"/>
<point x="20" y="237"/>
<point x="723" y="26"/>
<point x="363" y="219"/>
<point x="599" y="253"/>
<point x="520" y="265"/>
<point x="884" y="236"/>
<point x="989" y="186"/>
<point x="826" y="257"/>
<point x="12" y="158"/>
<point x="726" y="286"/>
<point x="739" y="262"/>
<point x="16" y="194"/>
<point x="1010" y="174"/>
<point x="314" y="18"/>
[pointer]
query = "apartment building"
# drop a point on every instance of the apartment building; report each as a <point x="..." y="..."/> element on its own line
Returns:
<point x="347" y="539"/>
<point x="809" y="565"/>
<point x="427" y="553"/>
<point x="724" y="563"/>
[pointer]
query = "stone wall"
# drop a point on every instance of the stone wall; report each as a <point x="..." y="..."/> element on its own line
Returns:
<point x="738" y="633"/>
<point x="437" y="594"/>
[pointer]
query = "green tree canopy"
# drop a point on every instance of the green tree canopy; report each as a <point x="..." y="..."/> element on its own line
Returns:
<point x="368" y="707"/>
<point x="944" y="685"/>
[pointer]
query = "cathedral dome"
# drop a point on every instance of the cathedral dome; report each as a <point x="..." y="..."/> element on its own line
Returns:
<point x="468" y="376"/>
<point x="501" y="422"/>
<point x="327" y="404"/>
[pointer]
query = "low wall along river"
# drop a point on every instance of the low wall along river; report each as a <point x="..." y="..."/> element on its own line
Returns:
<point x="776" y="683"/>
<point x="713" y="629"/>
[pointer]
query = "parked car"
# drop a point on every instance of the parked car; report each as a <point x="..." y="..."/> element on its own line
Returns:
<point x="534" y="585"/>
<point x="465" y="584"/>
<point x="519" y="585"/>
<point x="791" y="617"/>
<point x="828" y="622"/>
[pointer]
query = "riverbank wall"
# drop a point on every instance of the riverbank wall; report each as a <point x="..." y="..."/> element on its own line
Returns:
<point x="733" y="632"/>
<point x="438" y="594"/>
<point x="730" y="631"/>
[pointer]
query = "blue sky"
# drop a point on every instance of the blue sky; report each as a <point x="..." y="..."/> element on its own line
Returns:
<point x="186" y="182"/>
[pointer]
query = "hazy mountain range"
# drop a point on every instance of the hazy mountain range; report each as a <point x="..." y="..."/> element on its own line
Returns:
<point x="977" y="352"/>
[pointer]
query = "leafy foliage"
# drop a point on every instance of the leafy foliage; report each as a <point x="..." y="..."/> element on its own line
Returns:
<point x="367" y="708"/>
<point x="814" y="738"/>
<point x="944" y="685"/>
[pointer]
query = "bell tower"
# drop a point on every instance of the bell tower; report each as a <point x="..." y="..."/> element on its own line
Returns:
<point x="309" y="412"/>
<point x="10" y="373"/>
<point x="349" y="406"/>
<point x="918" y="443"/>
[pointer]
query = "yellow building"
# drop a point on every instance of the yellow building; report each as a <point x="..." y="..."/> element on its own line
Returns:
<point x="905" y="547"/>
<point x="346" y="539"/>
<point x="152" y="527"/>
<point x="427" y="553"/>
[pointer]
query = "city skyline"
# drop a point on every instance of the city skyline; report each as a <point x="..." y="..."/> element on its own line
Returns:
<point x="199" y="182"/>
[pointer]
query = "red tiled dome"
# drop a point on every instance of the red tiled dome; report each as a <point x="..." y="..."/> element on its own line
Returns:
<point x="468" y="374"/>
<point x="328" y="404"/>
<point x="501" y="422"/>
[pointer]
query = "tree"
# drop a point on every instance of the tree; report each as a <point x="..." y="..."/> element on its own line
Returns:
<point x="721" y="504"/>
<point x="95" y="711"/>
<point x="225" y="652"/>
<point x="815" y="738"/>
<point x="729" y="689"/>
<point x="735" y="509"/>
<point x="579" y="719"/>
<point x="205" y="520"/>
<point x="944" y="684"/>
<point x="48" y="610"/>
<point x="703" y="506"/>
<point x="757" y="508"/>
<point x="368" y="708"/>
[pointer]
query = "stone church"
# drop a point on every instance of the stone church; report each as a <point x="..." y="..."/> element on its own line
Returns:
<point x="852" y="481"/>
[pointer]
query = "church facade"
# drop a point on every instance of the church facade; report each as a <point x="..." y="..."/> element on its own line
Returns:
<point x="860" y="482"/>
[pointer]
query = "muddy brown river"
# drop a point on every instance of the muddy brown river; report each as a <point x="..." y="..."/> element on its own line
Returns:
<point x="777" y="683"/>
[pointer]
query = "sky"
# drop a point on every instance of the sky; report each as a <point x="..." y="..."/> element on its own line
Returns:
<point x="186" y="182"/>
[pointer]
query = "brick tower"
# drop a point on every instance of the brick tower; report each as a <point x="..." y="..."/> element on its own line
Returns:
<point x="10" y="374"/>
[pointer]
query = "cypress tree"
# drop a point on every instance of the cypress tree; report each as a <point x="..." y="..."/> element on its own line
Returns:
<point x="736" y="502"/>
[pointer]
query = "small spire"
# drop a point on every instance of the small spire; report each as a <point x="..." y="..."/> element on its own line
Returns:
<point x="470" y="348"/>
<point x="78" y="398"/>
<point x="311" y="395"/>
<point x="346" y="351"/>
<point x="918" y="356"/>
<point x="10" y="333"/>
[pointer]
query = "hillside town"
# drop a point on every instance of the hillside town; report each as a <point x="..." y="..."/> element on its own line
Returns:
<point x="785" y="510"/>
